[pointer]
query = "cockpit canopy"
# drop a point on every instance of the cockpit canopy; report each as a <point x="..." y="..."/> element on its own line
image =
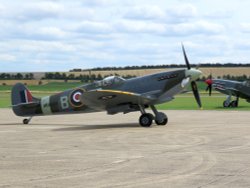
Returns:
<point x="111" y="80"/>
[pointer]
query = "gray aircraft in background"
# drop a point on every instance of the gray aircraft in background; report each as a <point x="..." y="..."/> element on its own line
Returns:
<point x="113" y="94"/>
<point x="230" y="88"/>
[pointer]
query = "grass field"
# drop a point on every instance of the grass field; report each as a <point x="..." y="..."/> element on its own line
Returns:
<point x="50" y="87"/>
<point x="181" y="102"/>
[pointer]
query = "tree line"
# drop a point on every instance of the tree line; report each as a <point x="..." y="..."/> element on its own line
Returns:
<point x="81" y="77"/>
<point x="161" y="67"/>
<point x="93" y="77"/>
<point x="229" y="77"/>
<point x="17" y="76"/>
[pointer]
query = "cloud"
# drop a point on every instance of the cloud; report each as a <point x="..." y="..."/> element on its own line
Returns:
<point x="92" y="33"/>
<point x="181" y="13"/>
<point x="93" y="27"/>
<point x="7" y="57"/>
<point x="197" y="28"/>
<point x="128" y="26"/>
<point x="174" y="14"/>
<point x="145" y="13"/>
<point x="245" y="27"/>
<point x="95" y="2"/>
<point x="222" y="14"/>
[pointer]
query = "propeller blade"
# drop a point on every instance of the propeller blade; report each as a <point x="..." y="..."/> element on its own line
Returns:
<point x="185" y="57"/>
<point x="196" y="93"/>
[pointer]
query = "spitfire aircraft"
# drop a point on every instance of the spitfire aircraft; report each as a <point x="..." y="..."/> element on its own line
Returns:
<point x="230" y="88"/>
<point x="113" y="94"/>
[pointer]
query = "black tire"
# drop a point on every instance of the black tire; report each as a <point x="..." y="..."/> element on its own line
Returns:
<point x="146" y="120"/>
<point x="226" y="104"/>
<point x="26" y="121"/>
<point x="163" y="119"/>
<point x="234" y="104"/>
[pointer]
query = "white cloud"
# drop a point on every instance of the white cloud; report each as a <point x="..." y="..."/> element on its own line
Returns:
<point x="139" y="27"/>
<point x="92" y="33"/>
<point x="245" y="27"/>
<point x="93" y="27"/>
<point x="7" y="57"/>
<point x="197" y="28"/>
<point x="43" y="10"/>
<point x="182" y="12"/>
<point x="145" y="12"/>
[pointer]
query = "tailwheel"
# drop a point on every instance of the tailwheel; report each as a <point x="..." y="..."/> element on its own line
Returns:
<point x="146" y="120"/>
<point x="161" y="119"/>
<point x="27" y="120"/>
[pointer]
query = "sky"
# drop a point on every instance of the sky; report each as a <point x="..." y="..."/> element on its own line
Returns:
<point x="59" y="35"/>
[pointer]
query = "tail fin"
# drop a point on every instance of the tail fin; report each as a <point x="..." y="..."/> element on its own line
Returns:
<point x="22" y="100"/>
<point x="20" y="95"/>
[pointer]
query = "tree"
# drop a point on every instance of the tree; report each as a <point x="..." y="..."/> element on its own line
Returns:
<point x="19" y="76"/>
<point x="99" y="77"/>
<point x="27" y="76"/>
<point x="31" y="76"/>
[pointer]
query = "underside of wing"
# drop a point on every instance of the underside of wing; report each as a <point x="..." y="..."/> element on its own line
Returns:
<point x="113" y="100"/>
<point x="241" y="94"/>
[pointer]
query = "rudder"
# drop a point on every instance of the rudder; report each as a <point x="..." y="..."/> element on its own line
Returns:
<point x="20" y="95"/>
<point x="22" y="100"/>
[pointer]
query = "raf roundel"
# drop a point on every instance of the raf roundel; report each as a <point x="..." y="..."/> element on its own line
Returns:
<point x="75" y="98"/>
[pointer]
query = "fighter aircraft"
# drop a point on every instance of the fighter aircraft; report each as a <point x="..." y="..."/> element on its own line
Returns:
<point x="230" y="88"/>
<point x="113" y="94"/>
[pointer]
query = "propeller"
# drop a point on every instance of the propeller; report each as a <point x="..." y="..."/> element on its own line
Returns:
<point x="185" y="57"/>
<point x="193" y="72"/>
<point x="209" y="83"/>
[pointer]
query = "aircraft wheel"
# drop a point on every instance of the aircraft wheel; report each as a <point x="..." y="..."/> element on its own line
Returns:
<point x="146" y="120"/>
<point x="161" y="119"/>
<point x="234" y="104"/>
<point x="226" y="104"/>
<point x="26" y="121"/>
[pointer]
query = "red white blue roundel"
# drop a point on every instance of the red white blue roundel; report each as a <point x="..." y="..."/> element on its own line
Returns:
<point x="75" y="98"/>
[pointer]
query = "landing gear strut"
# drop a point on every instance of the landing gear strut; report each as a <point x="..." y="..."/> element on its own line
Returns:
<point x="27" y="120"/>
<point x="146" y="119"/>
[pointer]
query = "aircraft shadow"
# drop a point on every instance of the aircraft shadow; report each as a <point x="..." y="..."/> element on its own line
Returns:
<point x="95" y="127"/>
<point x="73" y="127"/>
<point x="11" y="124"/>
<point x="231" y="108"/>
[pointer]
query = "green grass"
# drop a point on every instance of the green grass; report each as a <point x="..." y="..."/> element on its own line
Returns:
<point x="187" y="102"/>
<point x="52" y="86"/>
<point x="4" y="99"/>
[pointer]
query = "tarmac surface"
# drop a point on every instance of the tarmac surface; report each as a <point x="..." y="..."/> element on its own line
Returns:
<point x="195" y="149"/>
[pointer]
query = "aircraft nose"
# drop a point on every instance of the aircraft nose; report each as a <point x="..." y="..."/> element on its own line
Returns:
<point x="194" y="74"/>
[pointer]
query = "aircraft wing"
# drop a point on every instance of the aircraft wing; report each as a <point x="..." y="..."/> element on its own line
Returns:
<point x="241" y="93"/>
<point x="106" y="99"/>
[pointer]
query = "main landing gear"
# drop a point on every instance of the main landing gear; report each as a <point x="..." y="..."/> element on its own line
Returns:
<point x="146" y="119"/>
<point x="26" y="121"/>
<point x="228" y="103"/>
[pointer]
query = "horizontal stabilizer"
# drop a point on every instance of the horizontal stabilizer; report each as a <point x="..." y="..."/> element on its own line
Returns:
<point x="27" y="105"/>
